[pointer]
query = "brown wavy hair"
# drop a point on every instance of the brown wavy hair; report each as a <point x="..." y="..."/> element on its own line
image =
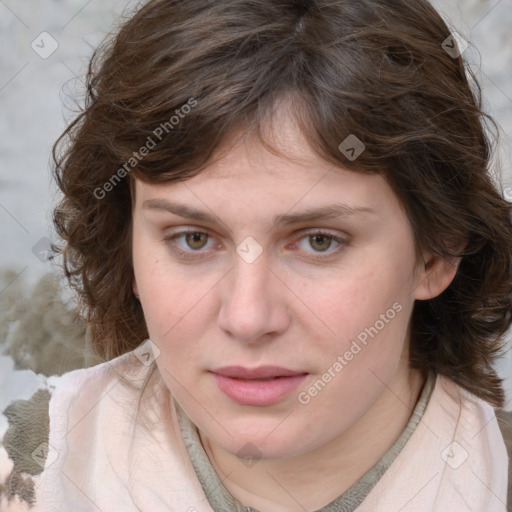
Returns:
<point x="374" y="69"/>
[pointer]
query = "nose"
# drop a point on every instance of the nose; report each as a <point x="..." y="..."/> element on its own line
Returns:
<point x="253" y="302"/>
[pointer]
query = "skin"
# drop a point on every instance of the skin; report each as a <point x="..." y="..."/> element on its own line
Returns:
<point x="288" y="308"/>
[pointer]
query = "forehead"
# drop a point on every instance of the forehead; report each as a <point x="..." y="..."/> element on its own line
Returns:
<point x="278" y="143"/>
<point x="284" y="173"/>
<point x="268" y="192"/>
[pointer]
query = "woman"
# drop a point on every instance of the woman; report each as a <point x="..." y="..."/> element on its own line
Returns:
<point x="280" y="220"/>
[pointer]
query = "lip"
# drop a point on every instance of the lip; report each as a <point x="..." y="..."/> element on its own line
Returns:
<point x="262" y="372"/>
<point x="261" y="386"/>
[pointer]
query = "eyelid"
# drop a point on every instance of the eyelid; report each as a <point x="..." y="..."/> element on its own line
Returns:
<point x="321" y="231"/>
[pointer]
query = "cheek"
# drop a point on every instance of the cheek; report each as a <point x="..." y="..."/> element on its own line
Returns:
<point x="355" y="366"/>
<point x="176" y="311"/>
<point x="367" y="312"/>
<point x="174" y="304"/>
<point x="174" y="297"/>
<point x="360" y="298"/>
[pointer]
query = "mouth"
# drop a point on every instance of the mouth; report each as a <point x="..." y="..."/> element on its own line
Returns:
<point x="261" y="386"/>
<point x="260" y="373"/>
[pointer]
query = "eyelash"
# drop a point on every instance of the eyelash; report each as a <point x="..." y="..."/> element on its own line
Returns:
<point x="191" y="255"/>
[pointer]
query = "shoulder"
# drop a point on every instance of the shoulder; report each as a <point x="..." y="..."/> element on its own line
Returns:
<point x="29" y="445"/>
<point x="484" y="431"/>
<point x="454" y="460"/>
<point x="83" y="400"/>
<point x="112" y="429"/>
<point x="473" y="417"/>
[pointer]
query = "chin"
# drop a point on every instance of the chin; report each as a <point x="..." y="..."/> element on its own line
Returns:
<point x="256" y="443"/>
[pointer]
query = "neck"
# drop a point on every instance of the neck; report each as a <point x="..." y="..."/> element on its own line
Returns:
<point x="281" y="485"/>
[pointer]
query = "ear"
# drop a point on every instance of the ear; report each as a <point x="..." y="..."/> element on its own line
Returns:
<point x="435" y="273"/>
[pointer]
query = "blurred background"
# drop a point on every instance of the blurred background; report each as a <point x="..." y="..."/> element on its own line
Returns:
<point x="45" y="48"/>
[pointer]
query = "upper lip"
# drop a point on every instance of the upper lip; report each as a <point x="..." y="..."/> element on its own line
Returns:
<point x="262" y="372"/>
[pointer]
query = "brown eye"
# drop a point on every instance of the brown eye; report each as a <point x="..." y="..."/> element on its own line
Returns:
<point x="320" y="242"/>
<point x="196" y="240"/>
<point x="191" y="245"/>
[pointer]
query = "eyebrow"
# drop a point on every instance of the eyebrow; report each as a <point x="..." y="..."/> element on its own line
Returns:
<point x="312" y="214"/>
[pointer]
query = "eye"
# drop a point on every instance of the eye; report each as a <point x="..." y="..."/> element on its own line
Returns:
<point x="196" y="240"/>
<point x="321" y="242"/>
<point x="186" y="243"/>
<point x="192" y="244"/>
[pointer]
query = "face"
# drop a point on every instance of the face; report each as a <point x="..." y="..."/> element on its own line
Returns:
<point x="278" y="290"/>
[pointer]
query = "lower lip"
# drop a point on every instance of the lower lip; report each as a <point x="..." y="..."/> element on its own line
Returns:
<point x="258" y="392"/>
